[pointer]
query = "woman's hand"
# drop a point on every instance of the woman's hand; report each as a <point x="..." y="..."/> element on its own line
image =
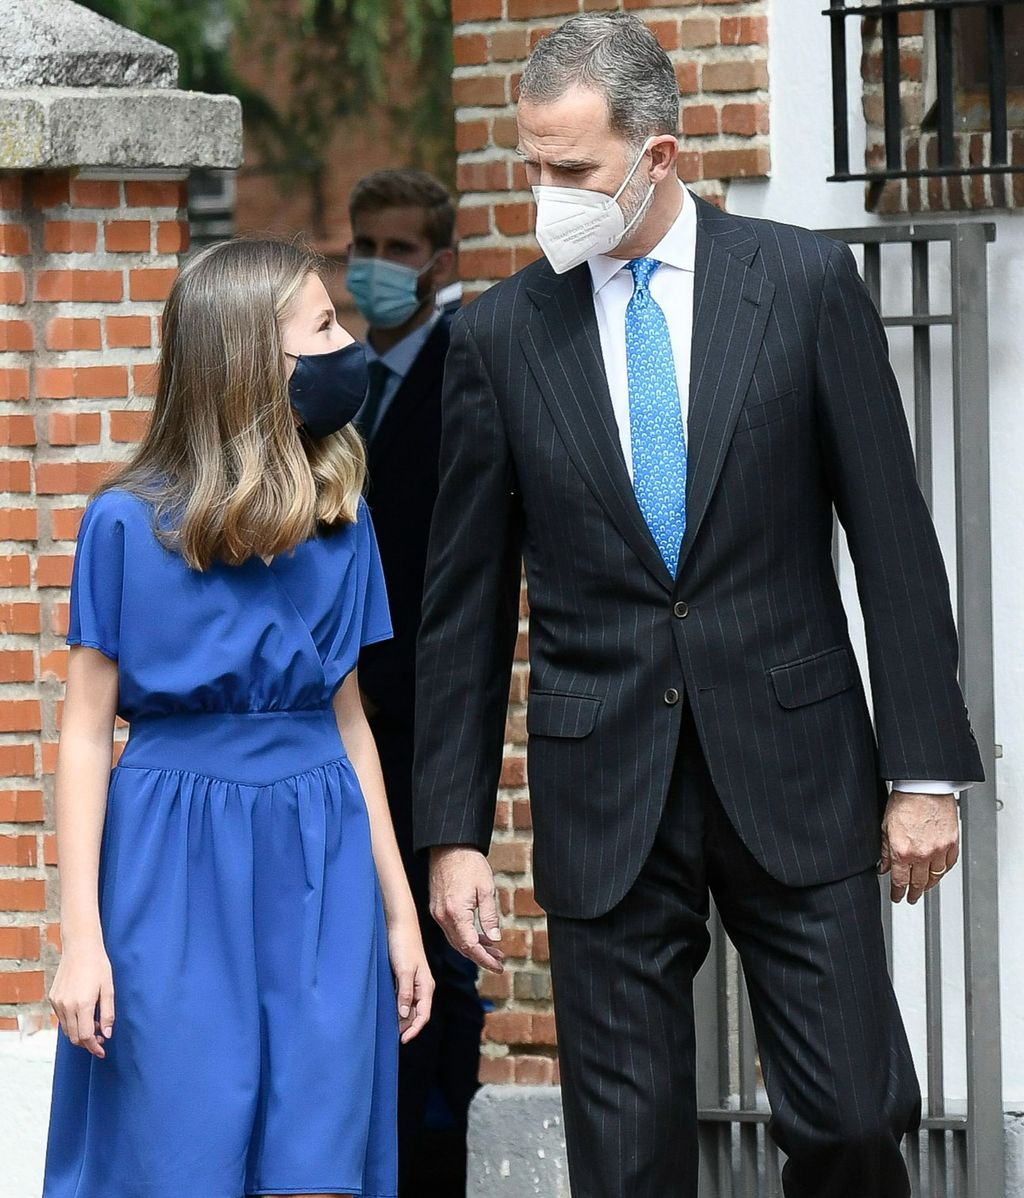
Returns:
<point x="85" y="981"/>
<point x="413" y="981"/>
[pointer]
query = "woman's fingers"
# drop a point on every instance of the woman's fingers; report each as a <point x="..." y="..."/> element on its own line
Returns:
<point x="59" y="1011"/>
<point x="406" y="984"/>
<point x="87" y="1029"/>
<point x="420" y="1014"/>
<point x="107" y="1009"/>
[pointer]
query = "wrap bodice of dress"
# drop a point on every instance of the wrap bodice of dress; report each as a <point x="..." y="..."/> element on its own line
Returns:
<point x="231" y="639"/>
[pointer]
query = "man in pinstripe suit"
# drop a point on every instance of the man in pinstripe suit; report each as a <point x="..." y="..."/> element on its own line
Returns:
<point x="660" y="419"/>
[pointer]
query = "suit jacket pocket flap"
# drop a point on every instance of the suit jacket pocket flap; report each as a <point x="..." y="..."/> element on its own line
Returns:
<point x="814" y="678"/>
<point x="764" y="411"/>
<point x="549" y="713"/>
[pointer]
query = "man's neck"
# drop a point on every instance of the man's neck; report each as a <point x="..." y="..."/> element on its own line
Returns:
<point x="662" y="215"/>
<point x="385" y="340"/>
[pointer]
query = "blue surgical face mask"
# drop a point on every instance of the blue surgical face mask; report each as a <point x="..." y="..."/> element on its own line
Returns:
<point x="328" y="389"/>
<point x="386" y="293"/>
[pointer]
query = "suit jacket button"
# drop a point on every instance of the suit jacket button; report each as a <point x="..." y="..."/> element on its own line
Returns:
<point x="671" y="696"/>
<point x="681" y="609"/>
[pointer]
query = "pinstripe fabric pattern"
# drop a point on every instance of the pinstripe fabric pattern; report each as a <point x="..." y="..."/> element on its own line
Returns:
<point x="793" y="409"/>
<point x="835" y="1057"/>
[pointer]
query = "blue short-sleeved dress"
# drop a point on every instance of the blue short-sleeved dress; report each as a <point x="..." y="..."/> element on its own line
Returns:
<point x="255" y="1048"/>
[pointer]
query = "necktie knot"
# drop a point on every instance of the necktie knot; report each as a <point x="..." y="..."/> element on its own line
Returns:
<point x="642" y="269"/>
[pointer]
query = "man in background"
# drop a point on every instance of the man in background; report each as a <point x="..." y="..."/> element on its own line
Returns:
<point x="403" y="228"/>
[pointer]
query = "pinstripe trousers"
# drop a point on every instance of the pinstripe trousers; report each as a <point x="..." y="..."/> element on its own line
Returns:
<point x="834" y="1054"/>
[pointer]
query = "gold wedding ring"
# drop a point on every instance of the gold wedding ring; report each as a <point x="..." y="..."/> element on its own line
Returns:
<point x="937" y="873"/>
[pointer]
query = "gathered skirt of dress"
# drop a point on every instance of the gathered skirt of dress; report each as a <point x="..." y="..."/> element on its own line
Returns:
<point x="255" y="1049"/>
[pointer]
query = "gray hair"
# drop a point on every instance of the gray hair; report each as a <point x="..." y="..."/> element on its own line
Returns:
<point x="616" y="55"/>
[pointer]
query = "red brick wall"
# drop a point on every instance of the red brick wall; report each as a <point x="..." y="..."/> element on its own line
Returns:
<point x="720" y="51"/>
<point x="719" y="48"/>
<point x="920" y="147"/>
<point x="85" y="265"/>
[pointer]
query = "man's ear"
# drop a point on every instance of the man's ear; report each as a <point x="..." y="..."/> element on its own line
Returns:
<point x="444" y="268"/>
<point x="664" y="153"/>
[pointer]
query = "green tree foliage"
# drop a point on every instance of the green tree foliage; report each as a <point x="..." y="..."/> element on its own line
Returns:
<point x="338" y="58"/>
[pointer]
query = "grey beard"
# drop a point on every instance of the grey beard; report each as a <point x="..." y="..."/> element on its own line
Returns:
<point x="635" y="202"/>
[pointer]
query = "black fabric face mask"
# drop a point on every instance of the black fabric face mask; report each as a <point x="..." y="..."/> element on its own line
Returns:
<point x="328" y="389"/>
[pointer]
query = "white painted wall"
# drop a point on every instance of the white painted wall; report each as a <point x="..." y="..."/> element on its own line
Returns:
<point x="801" y="121"/>
<point x="26" y="1070"/>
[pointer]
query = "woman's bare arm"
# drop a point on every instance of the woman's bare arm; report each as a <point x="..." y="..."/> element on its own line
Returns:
<point x="83" y="773"/>
<point x="415" y="985"/>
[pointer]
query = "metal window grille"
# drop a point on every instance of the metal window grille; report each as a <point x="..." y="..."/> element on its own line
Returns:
<point x="212" y="198"/>
<point x="948" y="163"/>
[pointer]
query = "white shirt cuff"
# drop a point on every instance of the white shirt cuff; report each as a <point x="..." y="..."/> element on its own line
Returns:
<point x="918" y="786"/>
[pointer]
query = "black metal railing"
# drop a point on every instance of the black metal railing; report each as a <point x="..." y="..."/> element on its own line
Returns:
<point x="948" y="160"/>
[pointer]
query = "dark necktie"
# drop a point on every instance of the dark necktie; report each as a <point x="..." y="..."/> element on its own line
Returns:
<point x="369" y="413"/>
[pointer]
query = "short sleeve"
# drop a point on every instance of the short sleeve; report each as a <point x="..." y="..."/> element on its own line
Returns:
<point x="376" y="613"/>
<point x="97" y="580"/>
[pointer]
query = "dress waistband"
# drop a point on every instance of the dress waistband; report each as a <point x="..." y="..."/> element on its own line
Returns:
<point x="249" y="747"/>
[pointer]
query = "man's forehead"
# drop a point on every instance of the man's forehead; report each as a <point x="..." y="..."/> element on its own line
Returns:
<point x="578" y="118"/>
<point x="407" y="221"/>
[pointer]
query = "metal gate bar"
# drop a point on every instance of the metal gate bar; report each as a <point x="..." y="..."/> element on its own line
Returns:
<point x="954" y="1155"/>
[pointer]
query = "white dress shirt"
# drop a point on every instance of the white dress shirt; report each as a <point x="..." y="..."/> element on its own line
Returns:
<point x="672" y="289"/>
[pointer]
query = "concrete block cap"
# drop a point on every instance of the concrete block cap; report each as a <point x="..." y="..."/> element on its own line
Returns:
<point x="77" y="90"/>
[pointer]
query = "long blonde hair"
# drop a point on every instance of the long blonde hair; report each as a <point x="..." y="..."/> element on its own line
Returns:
<point x="223" y="464"/>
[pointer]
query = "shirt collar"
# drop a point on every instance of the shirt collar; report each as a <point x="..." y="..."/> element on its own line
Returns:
<point x="677" y="248"/>
<point x="400" y="357"/>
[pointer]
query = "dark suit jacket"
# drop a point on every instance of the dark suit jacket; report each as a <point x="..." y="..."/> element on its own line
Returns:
<point x="402" y="468"/>
<point x="793" y="410"/>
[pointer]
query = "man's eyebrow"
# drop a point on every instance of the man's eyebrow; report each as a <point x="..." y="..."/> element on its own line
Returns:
<point x="559" y="164"/>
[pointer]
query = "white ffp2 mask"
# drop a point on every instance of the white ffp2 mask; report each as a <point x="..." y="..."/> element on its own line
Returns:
<point x="574" y="224"/>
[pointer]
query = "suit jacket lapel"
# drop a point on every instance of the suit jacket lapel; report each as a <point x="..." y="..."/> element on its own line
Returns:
<point x="731" y="303"/>
<point x="563" y="348"/>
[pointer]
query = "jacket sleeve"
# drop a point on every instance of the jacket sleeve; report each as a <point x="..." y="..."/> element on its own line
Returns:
<point x="470" y="612"/>
<point x="921" y="722"/>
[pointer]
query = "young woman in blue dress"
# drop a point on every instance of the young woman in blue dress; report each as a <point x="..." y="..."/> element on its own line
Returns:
<point x="241" y="953"/>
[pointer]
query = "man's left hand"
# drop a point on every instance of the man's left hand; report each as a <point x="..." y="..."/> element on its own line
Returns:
<point x="920" y="842"/>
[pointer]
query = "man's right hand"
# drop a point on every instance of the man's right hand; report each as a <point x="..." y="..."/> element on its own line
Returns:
<point x="461" y="890"/>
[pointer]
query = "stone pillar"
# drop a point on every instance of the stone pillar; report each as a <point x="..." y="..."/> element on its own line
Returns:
<point x="96" y="147"/>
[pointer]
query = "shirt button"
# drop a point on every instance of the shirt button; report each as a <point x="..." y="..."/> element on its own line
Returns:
<point x="671" y="696"/>
<point x="681" y="609"/>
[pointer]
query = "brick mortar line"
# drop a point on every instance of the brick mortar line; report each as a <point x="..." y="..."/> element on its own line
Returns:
<point x="69" y="359"/>
<point x="739" y="8"/>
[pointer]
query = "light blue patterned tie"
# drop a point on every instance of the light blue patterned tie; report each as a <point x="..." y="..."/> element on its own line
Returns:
<point x="655" y="417"/>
